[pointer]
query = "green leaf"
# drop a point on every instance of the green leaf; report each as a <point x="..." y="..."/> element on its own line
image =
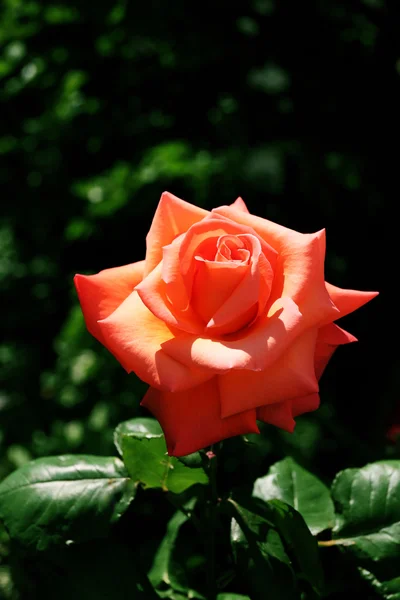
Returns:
<point x="390" y="590"/>
<point x="64" y="499"/>
<point x="298" y="538"/>
<point x="289" y="482"/>
<point x="168" y="568"/>
<point x="159" y="572"/>
<point x="141" y="427"/>
<point x="367" y="499"/>
<point x="180" y="478"/>
<point x="368" y="518"/>
<point x="146" y="459"/>
<point x="260" y="554"/>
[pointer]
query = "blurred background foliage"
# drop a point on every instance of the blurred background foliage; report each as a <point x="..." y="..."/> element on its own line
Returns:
<point x="106" y="104"/>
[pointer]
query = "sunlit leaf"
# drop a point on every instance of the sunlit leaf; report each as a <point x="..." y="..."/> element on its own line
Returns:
<point x="289" y="482"/>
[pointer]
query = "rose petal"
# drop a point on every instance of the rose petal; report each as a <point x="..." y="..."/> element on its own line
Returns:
<point x="290" y="376"/>
<point x="213" y="226"/>
<point x="329" y="338"/>
<point x="171" y="275"/>
<point x="249" y="298"/>
<point x="237" y="228"/>
<point x="239" y="204"/>
<point x="102" y="293"/>
<point x="135" y="334"/>
<point x="214" y="283"/>
<point x="281" y="414"/>
<point x="332" y="334"/>
<point x="191" y="420"/>
<point x="299" y="273"/>
<point x="305" y="404"/>
<point x="172" y="217"/>
<point x="167" y="290"/>
<point x="153" y="292"/>
<point x="258" y="348"/>
<point x="195" y="239"/>
<point x="347" y="301"/>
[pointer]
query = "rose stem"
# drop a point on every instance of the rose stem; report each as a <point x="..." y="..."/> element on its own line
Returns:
<point x="210" y="514"/>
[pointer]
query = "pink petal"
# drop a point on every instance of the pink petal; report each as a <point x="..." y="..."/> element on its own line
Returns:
<point x="254" y="348"/>
<point x="214" y="284"/>
<point x="348" y="300"/>
<point x="239" y="204"/>
<point x="329" y="338"/>
<point x="191" y="420"/>
<point x="133" y="333"/>
<point x="249" y="297"/>
<point x="102" y="293"/>
<point x="172" y="217"/>
<point x="290" y="376"/>
<point x="213" y="227"/>
<point x="305" y="404"/>
<point x="279" y="414"/>
<point x="153" y="292"/>
<point x="299" y="273"/>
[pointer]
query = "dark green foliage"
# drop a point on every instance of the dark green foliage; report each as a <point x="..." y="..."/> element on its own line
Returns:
<point x="291" y="483"/>
<point x="104" y="105"/>
<point x="64" y="499"/>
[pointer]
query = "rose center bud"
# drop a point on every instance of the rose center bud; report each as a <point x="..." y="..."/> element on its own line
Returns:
<point x="226" y="283"/>
<point x="232" y="248"/>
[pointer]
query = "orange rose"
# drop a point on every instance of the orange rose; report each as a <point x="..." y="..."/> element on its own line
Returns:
<point x="229" y="319"/>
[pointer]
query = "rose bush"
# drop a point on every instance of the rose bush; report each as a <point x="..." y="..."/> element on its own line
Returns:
<point x="228" y="319"/>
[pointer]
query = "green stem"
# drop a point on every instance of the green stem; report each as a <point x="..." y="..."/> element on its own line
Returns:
<point x="211" y="520"/>
<point x="188" y="513"/>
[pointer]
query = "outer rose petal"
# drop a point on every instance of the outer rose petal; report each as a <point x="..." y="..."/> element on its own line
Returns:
<point x="191" y="420"/>
<point x="348" y="300"/>
<point x="102" y="293"/>
<point x="172" y="217"/>
<point x="133" y="333"/>
<point x="305" y="404"/>
<point x="299" y="272"/>
<point x="240" y="204"/>
<point x="281" y="414"/>
<point x="263" y="343"/>
<point x="329" y="338"/>
<point x="290" y="376"/>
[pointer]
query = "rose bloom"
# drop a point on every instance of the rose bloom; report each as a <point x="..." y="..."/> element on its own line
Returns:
<point x="228" y="319"/>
